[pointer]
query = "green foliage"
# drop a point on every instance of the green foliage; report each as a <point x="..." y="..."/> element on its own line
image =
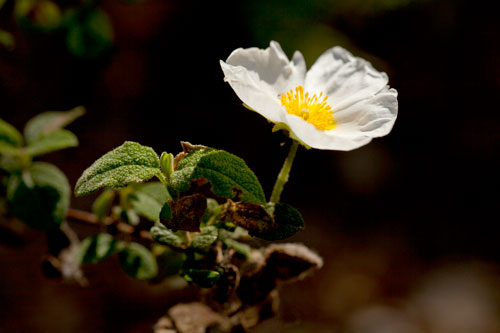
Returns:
<point x="205" y="238"/>
<point x="102" y="204"/>
<point x="201" y="277"/>
<point x="10" y="135"/>
<point x="47" y="122"/>
<point x="50" y="142"/>
<point x="129" y="163"/>
<point x="40" y="196"/>
<point x="7" y="39"/>
<point x="225" y="172"/>
<point x="90" y="33"/>
<point x="149" y="199"/>
<point x="39" y="15"/>
<point x="96" y="248"/>
<point x="138" y="262"/>
<point x="167" y="164"/>
<point x="165" y="236"/>
<point x="287" y="222"/>
<point x="241" y="248"/>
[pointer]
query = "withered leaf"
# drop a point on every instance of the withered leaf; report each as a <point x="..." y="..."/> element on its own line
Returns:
<point x="187" y="213"/>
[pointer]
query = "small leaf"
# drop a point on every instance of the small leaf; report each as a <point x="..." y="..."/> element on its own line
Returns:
<point x="167" y="164"/>
<point x="207" y="236"/>
<point x="40" y="197"/>
<point x="7" y="39"/>
<point x="201" y="277"/>
<point x="273" y="221"/>
<point x="241" y="248"/>
<point x="90" y="35"/>
<point x="225" y="172"/>
<point x="165" y="236"/>
<point x="129" y="163"/>
<point x="287" y="222"/>
<point x="8" y="149"/>
<point x="9" y="134"/>
<point x="166" y="212"/>
<point x="96" y="248"/>
<point x="138" y="262"/>
<point x="149" y="199"/>
<point x="50" y="121"/>
<point x="56" y="140"/>
<point x="102" y="204"/>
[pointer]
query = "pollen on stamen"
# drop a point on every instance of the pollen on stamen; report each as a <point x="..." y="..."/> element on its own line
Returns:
<point x="310" y="108"/>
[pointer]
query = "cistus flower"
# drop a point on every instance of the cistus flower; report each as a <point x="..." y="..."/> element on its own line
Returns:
<point x="341" y="103"/>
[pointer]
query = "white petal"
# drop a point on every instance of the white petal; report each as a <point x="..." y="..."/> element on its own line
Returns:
<point x="342" y="137"/>
<point x="373" y="116"/>
<point x="259" y="76"/>
<point x="344" y="78"/>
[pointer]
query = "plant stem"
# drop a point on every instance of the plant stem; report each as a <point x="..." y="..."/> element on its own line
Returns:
<point x="285" y="171"/>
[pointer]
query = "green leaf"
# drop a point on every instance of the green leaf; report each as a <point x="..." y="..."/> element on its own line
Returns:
<point x="287" y="222"/>
<point x="138" y="262"/>
<point x="102" y="204"/>
<point x="90" y="35"/>
<point x="207" y="236"/>
<point x="166" y="212"/>
<point x="167" y="164"/>
<point x="96" y="248"/>
<point x="7" y="39"/>
<point x="241" y="248"/>
<point x="129" y="163"/>
<point x="40" y="197"/>
<point x="10" y="135"/>
<point x="163" y="235"/>
<point x="56" y="140"/>
<point x="8" y="149"/>
<point x="149" y="199"/>
<point x="201" y="277"/>
<point x="50" y="121"/>
<point x="225" y="172"/>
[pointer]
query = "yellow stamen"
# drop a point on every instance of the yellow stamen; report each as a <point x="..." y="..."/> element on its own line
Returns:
<point x="310" y="108"/>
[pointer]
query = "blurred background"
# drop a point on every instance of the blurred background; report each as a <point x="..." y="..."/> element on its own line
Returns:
<point x="407" y="225"/>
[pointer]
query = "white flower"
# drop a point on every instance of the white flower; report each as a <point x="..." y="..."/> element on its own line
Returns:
<point x="341" y="103"/>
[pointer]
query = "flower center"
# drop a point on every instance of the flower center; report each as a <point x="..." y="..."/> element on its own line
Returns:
<point x="312" y="109"/>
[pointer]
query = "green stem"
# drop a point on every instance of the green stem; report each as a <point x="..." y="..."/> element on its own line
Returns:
<point x="283" y="176"/>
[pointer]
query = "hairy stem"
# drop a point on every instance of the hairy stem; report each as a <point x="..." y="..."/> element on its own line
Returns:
<point x="285" y="171"/>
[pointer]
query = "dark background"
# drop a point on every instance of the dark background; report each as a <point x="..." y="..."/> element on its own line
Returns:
<point x="398" y="221"/>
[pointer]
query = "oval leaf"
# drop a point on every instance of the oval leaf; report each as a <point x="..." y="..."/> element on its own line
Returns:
<point x="9" y="134"/>
<point x="163" y="235"/>
<point x="149" y="199"/>
<point x="102" y="204"/>
<point x="96" y="248"/>
<point x="56" y="140"/>
<point x="207" y="236"/>
<point x="39" y="198"/>
<point x="138" y="262"/>
<point x="50" y="121"/>
<point x="225" y="172"/>
<point x="129" y="163"/>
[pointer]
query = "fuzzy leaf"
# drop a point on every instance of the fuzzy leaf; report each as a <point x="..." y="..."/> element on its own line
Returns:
<point x="241" y="248"/>
<point x="129" y="163"/>
<point x="138" y="262"/>
<point x="287" y="222"/>
<point x="225" y="172"/>
<point x="149" y="199"/>
<point x="102" y="204"/>
<point x="50" y="121"/>
<point x="56" y="140"/>
<point x="9" y="134"/>
<point x="96" y="248"/>
<point x="201" y="277"/>
<point x="40" y="198"/>
<point x="207" y="236"/>
<point x="273" y="221"/>
<point x="163" y="235"/>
